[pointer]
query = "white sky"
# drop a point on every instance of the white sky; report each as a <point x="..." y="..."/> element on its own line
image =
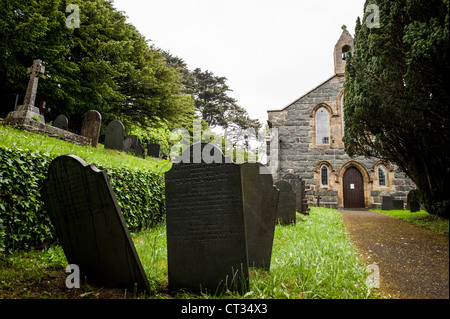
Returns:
<point x="271" y="51"/>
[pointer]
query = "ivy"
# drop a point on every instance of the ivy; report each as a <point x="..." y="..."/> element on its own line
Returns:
<point x="24" y="221"/>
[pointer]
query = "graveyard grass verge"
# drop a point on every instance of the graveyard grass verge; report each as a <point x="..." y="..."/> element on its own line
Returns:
<point x="422" y="218"/>
<point x="312" y="259"/>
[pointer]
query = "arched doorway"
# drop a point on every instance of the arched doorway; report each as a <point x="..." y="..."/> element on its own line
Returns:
<point x="353" y="186"/>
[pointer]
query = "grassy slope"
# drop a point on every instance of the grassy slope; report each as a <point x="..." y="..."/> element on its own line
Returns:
<point x="14" y="138"/>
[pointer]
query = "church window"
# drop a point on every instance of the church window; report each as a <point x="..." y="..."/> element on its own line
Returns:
<point x="324" y="175"/>
<point x="345" y="50"/>
<point x="381" y="175"/>
<point x="322" y="126"/>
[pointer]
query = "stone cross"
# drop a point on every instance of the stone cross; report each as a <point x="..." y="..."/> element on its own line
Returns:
<point x="34" y="71"/>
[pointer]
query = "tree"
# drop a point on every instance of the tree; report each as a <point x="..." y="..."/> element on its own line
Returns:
<point x="105" y="64"/>
<point x="396" y="101"/>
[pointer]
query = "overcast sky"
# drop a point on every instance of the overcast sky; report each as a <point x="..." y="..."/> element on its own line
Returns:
<point x="271" y="51"/>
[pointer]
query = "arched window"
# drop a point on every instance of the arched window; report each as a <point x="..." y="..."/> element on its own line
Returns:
<point x="324" y="175"/>
<point x="381" y="175"/>
<point x="322" y="126"/>
<point x="345" y="50"/>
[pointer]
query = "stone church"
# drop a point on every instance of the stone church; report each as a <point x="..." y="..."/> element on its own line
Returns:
<point x="310" y="145"/>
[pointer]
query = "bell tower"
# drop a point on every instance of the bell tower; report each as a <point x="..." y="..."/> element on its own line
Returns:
<point x="341" y="49"/>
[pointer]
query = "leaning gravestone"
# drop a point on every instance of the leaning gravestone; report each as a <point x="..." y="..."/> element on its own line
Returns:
<point x="206" y="240"/>
<point x="114" y="135"/>
<point x="260" y="209"/>
<point x="90" y="225"/>
<point x="90" y="126"/>
<point x="387" y="203"/>
<point x="153" y="150"/>
<point x="286" y="203"/>
<point x="61" y="122"/>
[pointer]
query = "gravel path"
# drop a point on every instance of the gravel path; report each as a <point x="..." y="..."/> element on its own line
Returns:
<point x="413" y="261"/>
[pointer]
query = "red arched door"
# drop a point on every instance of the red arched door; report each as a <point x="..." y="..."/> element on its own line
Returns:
<point x="353" y="188"/>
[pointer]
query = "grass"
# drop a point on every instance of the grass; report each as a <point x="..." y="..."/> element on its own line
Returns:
<point x="14" y="138"/>
<point x="312" y="259"/>
<point x="421" y="218"/>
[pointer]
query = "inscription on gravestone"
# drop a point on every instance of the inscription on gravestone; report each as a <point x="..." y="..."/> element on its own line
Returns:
<point x="90" y="225"/>
<point x="286" y="203"/>
<point x="206" y="241"/>
<point x="260" y="209"/>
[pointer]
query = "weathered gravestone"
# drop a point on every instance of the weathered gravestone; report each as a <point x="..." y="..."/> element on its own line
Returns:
<point x="90" y="126"/>
<point x="260" y="209"/>
<point x="206" y="240"/>
<point x="133" y="143"/>
<point x="398" y="204"/>
<point x="153" y="150"/>
<point x="387" y="203"/>
<point x="286" y="203"/>
<point x="90" y="225"/>
<point x="114" y="135"/>
<point x="413" y="201"/>
<point x="298" y="186"/>
<point x="61" y="122"/>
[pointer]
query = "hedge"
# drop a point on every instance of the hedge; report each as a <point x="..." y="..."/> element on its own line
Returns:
<point x="24" y="221"/>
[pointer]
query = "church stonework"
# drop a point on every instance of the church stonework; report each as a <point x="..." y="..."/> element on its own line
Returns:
<point x="310" y="132"/>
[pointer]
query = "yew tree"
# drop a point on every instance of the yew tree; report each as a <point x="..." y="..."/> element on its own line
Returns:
<point x="396" y="102"/>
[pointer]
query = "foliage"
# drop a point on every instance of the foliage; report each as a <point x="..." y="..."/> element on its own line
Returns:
<point x="140" y="194"/>
<point x="397" y="100"/>
<point x="105" y="64"/>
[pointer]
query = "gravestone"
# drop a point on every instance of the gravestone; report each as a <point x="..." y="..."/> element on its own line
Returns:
<point x="387" y="203"/>
<point x="90" y="225"/>
<point x="413" y="201"/>
<point x="114" y="135"/>
<point x="90" y="126"/>
<point x="27" y="113"/>
<point x="206" y="240"/>
<point x="286" y="203"/>
<point x="153" y="150"/>
<point x="61" y="122"/>
<point x="260" y="209"/>
<point x="133" y="143"/>
<point x="398" y="204"/>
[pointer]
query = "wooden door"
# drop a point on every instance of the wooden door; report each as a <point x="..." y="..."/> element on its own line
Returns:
<point x="353" y="188"/>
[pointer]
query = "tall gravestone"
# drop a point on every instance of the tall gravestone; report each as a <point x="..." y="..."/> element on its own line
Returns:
<point x="260" y="209"/>
<point x="413" y="201"/>
<point x="286" y="203"/>
<point x="90" y="126"/>
<point x="61" y="122"/>
<point x="387" y="202"/>
<point x="90" y="225"/>
<point x="153" y="150"/>
<point x="398" y="204"/>
<point x="114" y="135"/>
<point x="206" y="239"/>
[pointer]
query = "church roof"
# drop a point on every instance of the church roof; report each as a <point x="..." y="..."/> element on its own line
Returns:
<point x="316" y="87"/>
